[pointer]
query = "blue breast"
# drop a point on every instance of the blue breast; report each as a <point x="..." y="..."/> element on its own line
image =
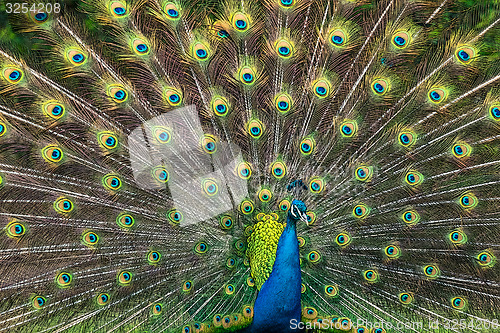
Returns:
<point x="278" y="301"/>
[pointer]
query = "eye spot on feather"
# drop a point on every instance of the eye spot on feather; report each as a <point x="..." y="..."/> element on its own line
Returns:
<point x="175" y="216"/>
<point x="278" y="169"/>
<point x="124" y="278"/>
<point x="348" y="128"/>
<point x="363" y="173"/>
<point x="392" y="251"/>
<point x="107" y="140"/>
<point x="283" y="103"/>
<point x="321" y="88"/>
<point x="410" y="217"/>
<point x="316" y="185"/>
<point x="39" y="17"/>
<point x="255" y="128"/>
<point x="172" y="96"/>
<point x="161" y="134"/>
<point x="313" y="257"/>
<point x="247" y="75"/>
<point x="153" y="257"/>
<point x="495" y="112"/>
<point x="200" y="51"/>
<point x="111" y="182"/>
<point x="371" y="276"/>
<point x="227" y="322"/>
<point x="401" y="39"/>
<point x="39" y="302"/>
<point x="246" y="207"/>
<point x="379" y="330"/>
<point x="303" y="288"/>
<point x="486" y="259"/>
<point x="431" y="271"/>
<point x="3" y="128"/>
<point x="125" y="220"/>
<point x="380" y="86"/>
<point x="157" y="308"/>
<point x="407" y="138"/>
<point x="226" y="222"/>
<point x="210" y="187"/>
<point x="345" y="323"/>
<point x="187" y="286"/>
<point x="361" y="211"/>
<point x="230" y="263"/>
<point x="15" y="229"/>
<point x="284" y="205"/>
<point x="244" y="171"/>
<point x="76" y="57"/>
<point x="414" y="178"/>
<point x="209" y="144"/>
<point x="465" y="54"/>
<point x="307" y="146"/>
<point x="331" y="290"/>
<point x="286" y="3"/>
<point x="250" y="282"/>
<point x="309" y="312"/>
<point x="118" y="9"/>
<point x="53" y="109"/>
<point x="468" y="201"/>
<point x="103" y="299"/>
<point x="187" y="329"/>
<point x="265" y="195"/>
<point x="457" y="237"/>
<point x="52" y="154"/>
<point x="140" y="46"/>
<point x="458" y="303"/>
<point x="230" y="289"/>
<point x="343" y="239"/>
<point x="461" y="150"/>
<point x="217" y="320"/>
<point x="63" y="206"/>
<point x="337" y="38"/>
<point x="284" y="49"/>
<point x="12" y="75"/>
<point x="222" y="33"/>
<point x="240" y="22"/>
<point x="220" y="106"/>
<point x="248" y="311"/>
<point x="160" y="174"/>
<point x="302" y="241"/>
<point x="64" y="279"/>
<point x="437" y="95"/>
<point x="201" y="247"/>
<point x="172" y="11"/>
<point x="406" y="298"/>
<point x="117" y="93"/>
<point x="90" y="239"/>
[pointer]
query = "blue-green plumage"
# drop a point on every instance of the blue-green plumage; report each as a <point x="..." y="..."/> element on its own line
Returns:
<point x="278" y="301"/>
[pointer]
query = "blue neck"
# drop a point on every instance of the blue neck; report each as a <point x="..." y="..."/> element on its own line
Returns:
<point x="278" y="301"/>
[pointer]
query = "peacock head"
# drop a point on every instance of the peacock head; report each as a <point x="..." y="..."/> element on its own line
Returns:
<point x="298" y="211"/>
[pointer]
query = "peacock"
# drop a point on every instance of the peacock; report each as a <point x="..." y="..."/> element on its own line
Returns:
<point x="250" y="166"/>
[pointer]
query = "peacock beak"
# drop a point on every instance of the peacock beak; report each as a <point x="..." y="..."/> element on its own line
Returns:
<point x="303" y="217"/>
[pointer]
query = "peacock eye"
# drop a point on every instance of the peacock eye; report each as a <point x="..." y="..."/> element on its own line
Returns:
<point x="337" y="38"/>
<point x="40" y="17"/>
<point x="222" y="33"/>
<point x="286" y="3"/>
